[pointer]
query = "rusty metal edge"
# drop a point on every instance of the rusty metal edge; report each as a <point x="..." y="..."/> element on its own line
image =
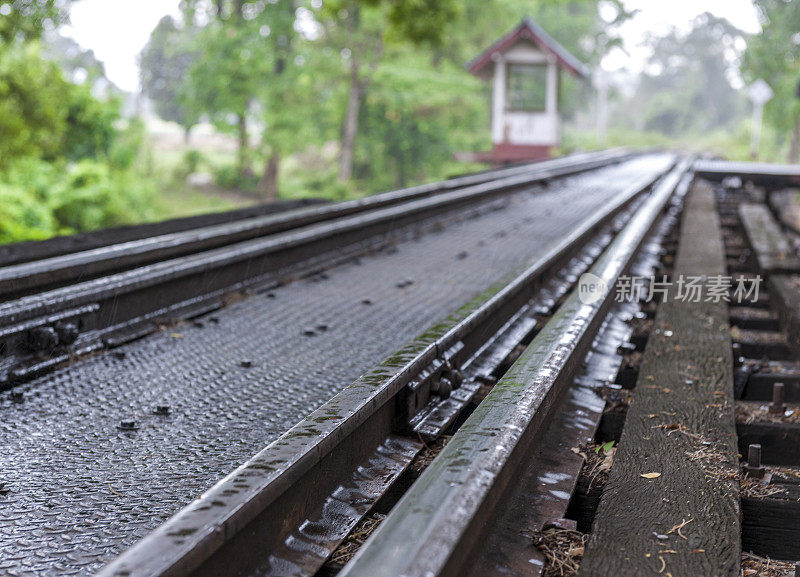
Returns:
<point x="431" y="531"/>
<point x="194" y="534"/>
<point x="31" y="275"/>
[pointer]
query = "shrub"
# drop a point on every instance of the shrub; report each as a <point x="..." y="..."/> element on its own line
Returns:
<point x="92" y="196"/>
<point x="23" y="216"/>
<point x="231" y="177"/>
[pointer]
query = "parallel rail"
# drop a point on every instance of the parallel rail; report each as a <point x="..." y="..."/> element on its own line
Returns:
<point x="232" y="527"/>
<point x="771" y="175"/>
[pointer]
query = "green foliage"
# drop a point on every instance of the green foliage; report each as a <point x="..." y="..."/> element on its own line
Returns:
<point x="89" y="130"/>
<point x="191" y="160"/>
<point x="23" y="216"/>
<point x="128" y="145"/>
<point x="774" y="55"/>
<point x="40" y="198"/>
<point x="230" y="177"/>
<point x="165" y="63"/>
<point x="32" y="117"/>
<point x="28" y="19"/>
<point x="44" y="115"/>
<point x="91" y="196"/>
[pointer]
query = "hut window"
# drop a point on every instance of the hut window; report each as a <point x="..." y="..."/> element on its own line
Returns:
<point x="526" y="87"/>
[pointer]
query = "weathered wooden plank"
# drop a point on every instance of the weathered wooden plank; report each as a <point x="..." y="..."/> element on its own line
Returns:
<point x="685" y="518"/>
<point x="773" y="251"/>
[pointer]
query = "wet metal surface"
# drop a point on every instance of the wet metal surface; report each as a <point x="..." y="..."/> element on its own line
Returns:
<point x="80" y="489"/>
<point x="543" y="491"/>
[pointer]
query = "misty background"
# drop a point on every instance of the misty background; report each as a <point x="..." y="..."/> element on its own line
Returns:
<point x="120" y="112"/>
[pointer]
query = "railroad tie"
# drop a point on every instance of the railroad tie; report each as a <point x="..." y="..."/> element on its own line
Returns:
<point x="671" y="506"/>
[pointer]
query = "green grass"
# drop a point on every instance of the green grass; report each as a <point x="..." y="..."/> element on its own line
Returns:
<point x="729" y="144"/>
<point x="179" y="201"/>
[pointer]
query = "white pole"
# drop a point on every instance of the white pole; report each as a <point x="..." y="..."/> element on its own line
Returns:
<point x="755" y="138"/>
<point x="602" y="113"/>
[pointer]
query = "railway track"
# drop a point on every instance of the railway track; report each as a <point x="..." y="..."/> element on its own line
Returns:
<point x="501" y="439"/>
<point x="78" y="303"/>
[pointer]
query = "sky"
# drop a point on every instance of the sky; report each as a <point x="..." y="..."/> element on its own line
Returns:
<point x="117" y="31"/>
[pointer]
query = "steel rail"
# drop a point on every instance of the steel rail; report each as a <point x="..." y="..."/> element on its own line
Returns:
<point x="20" y="279"/>
<point x="435" y="529"/>
<point x="775" y="175"/>
<point x="31" y="250"/>
<point x="115" y="308"/>
<point x="231" y="527"/>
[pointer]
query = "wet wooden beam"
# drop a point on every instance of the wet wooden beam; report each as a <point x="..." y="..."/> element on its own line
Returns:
<point x="671" y="505"/>
<point x="773" y="251"/>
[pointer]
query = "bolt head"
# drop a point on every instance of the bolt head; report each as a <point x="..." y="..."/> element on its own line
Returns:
<point x="43" y="338"/>
<point x="67" y="333"/>
<point x="127" y="425"/>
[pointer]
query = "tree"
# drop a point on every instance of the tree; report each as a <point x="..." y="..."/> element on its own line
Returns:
<point x="685" y="85"/>
<point x="22" y="20"/>
<point x="774" y="55"/>
<point x="359" y="30"/>
<point x="165" y="63"/>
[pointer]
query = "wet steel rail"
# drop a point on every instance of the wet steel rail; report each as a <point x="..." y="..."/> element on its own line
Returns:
<point x="45" y="329"/>
<point x="325" y="473"/>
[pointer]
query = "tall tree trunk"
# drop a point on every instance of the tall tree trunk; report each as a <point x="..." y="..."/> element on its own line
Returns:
<point x="794" y="149"/>
<point x="187" y="133"/>
<point x="350" y="126"/>
<point x="268" y="185"/>
<point x="243" y="144"/>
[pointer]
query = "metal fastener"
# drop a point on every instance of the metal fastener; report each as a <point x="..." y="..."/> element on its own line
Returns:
<point x="162" y="410"/>
<point x="67" y="333"/>
<point x="43" y="338"/>
<point x="777" y="408"/>
<point x="246" y="364"/>
<point x="753" y="468"/>
<point x="454" y="376"/>
<point x="127" y="425"/>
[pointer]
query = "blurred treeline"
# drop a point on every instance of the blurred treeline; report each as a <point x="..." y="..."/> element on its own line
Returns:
<point x="692" y="90"/>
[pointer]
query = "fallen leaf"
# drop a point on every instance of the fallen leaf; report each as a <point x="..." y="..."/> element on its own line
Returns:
<point x="608" y="461"/>
<point x="650" y="475"/>
<point x="176" y="335"/>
